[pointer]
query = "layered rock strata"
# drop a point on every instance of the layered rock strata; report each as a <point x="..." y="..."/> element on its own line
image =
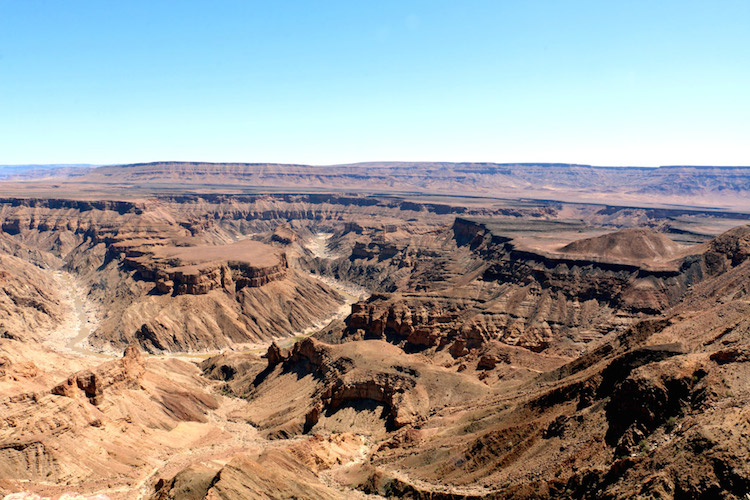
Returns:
<point x="326" y="379"/>
<point x="196" y="270"/>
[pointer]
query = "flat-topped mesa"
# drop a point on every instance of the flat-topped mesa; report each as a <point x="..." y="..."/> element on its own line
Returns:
<point x="198" y="269"/>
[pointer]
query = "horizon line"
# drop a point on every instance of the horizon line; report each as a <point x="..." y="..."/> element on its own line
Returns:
<point x="364" y="163"/>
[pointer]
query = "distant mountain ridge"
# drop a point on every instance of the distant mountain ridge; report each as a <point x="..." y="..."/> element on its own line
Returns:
<point x="706" y="186"/>
<point x="32" y="171"/>
<point x="702" y="185"/>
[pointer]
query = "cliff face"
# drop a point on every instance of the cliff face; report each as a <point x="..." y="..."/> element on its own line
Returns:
<point x="532" y="299"/>
<point x="621" y="282"/>
<point x="155" y="282"/>
<point x="221" y="318"/>
<point x="483" y="366"/>
<point x="174" y="277"/>
<point x="654" y="412"/>
<point x="328" y="381"/>
<point x="541" y="300"/>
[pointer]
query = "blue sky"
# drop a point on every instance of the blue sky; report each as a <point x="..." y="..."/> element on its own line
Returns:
<point x="601" y="82"/>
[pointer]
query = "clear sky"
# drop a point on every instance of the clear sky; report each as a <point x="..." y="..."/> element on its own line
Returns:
<point x="600" y="82"/>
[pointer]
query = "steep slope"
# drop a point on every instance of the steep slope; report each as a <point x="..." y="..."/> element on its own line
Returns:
<point x="217" y="319"/>
<point x="284" y="472"/>
<point x="635" y="418"/>
<point x="29" y="302"/>
<point x="157" y="284"/>
<point x="488" y="363"/>
<point x="362" y="386"/>
<point x="640" y="245"/>
<point x="556" y="303"/>
<point x="658" y="410"/>
<point x="100" y="428"/>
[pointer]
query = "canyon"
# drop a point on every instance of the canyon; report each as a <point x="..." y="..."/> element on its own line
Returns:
<point x="188" y="330"/>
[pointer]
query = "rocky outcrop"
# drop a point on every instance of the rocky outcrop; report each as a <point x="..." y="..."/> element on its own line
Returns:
<point x="646" y="398"/>
<point x="232" y="276"/>
<point x="274" y="355"/>
<point x="283" y="234"/>
<point x="532" y="299"/>
<point x="232" y="366"/>
<point x="381" y="250"/>
<point x="17" y="371"/>
<point x="416" y="322"/>
<point x="350" y="376"/>
<point x="728" y="250"/>
<point x="291" y="471"/>
<point x="624" y="284"/>
<point x="223" y="318"/>
<point x="394" y="391"/>
<point x="123" y="373"/>
<point x="731" y="355"/>
<point x="432" y="322"/>
<point x="489" y="362"/>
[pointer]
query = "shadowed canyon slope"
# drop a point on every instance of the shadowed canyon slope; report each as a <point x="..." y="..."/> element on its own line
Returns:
<point x="194" y="343"/>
